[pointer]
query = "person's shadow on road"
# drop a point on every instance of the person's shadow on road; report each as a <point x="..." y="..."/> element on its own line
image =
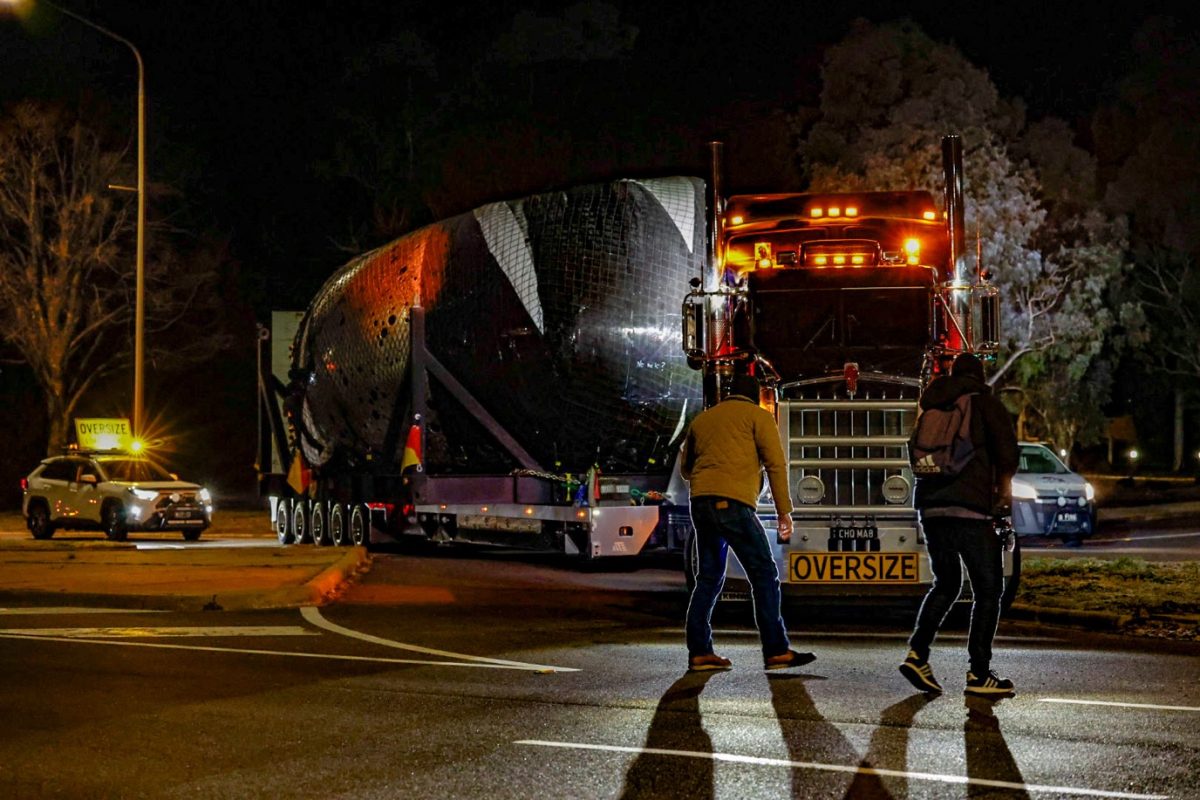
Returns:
<point x="815" y="740"/>
<point x="988" y="758"/>
<point x="676" y="725"/>
<point x="890" y="737"/>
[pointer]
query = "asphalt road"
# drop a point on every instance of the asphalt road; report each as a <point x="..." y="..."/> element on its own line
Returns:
<point x="1158" y="540"/>
<point x="454" y="676"/>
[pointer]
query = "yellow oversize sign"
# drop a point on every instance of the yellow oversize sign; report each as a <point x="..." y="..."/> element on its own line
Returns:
<point x="102" y="434"/>
<point x="853" y="567"/>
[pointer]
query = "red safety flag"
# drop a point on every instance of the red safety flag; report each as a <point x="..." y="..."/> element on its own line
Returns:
<point x="299" y="475"/>
<point x="412" y="450"/>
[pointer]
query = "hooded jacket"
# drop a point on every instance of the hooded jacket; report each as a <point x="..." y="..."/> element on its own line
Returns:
<point x="985" y="482"/>
<point x="727" y="448"/>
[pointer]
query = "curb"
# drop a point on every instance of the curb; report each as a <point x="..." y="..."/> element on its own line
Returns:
<point x="317" y="590"/>
<point x="1092" y="620"/>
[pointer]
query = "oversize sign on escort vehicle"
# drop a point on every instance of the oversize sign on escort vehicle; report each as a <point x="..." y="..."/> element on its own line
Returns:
<point x="853" y="567"/>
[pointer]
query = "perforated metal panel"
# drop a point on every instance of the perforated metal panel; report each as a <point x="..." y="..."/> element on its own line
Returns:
<point x="559" y="313"/>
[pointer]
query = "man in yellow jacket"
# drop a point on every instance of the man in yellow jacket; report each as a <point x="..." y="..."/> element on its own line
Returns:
<point x="723" y="456"/>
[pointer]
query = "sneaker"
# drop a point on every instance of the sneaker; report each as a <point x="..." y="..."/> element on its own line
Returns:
<point x="989" y="685"/>
<point x="708" y="661"/>
<point x="789" y="659"/>
<point x="919" y="673"/>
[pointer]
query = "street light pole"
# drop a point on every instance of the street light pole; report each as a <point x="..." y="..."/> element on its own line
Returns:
<point x="140" y="291"/>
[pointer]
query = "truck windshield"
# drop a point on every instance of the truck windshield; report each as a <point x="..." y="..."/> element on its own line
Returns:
<point x="135" y="469"/>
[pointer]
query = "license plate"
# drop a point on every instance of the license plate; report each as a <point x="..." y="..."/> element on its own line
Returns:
<point x="853" y="567"/>
<point x="1068" y="516"/>
<point x="182" y="514"/>
<point x="853" y="532"/>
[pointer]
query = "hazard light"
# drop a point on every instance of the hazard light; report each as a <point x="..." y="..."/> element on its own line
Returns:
<point x="913" y="248"/>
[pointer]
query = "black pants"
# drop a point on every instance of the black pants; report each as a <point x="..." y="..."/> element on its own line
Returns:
<point x="952" y="543"/>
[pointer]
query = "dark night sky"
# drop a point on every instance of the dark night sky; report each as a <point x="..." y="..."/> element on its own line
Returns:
<point x="242" y="94"/>
<point x="243" y="98"/>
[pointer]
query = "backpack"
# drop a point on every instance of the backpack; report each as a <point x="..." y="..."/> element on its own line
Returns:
<point x="940" y="445"/>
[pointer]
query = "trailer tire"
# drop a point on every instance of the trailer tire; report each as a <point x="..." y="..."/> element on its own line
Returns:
<point x="320" y="531"/>
<point x="283" y="521"/>
<point x="300" y="516"/>
<point x="339" y="530"/>
<point x="360" y="525"/>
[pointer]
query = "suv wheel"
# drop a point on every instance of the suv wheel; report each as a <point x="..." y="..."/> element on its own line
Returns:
<point x="39" y="521"/>
<point x="192" y="534"/>
<point x="114" y="522"/>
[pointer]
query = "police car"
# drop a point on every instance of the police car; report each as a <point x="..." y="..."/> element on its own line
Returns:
<point x="113" y="492"/>
<point x="1049" y="499"/>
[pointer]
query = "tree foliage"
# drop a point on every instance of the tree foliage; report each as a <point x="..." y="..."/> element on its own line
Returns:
<point x="67" y="272"/>
<point x="890" y="94"/>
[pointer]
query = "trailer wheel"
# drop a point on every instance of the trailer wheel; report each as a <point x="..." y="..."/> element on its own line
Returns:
<point x="338" y="530"/>
<point x="320" y="531"/>
<point x="360" y="526"/>
<point x="283" y="521"/>
<point x="300" y="530"/>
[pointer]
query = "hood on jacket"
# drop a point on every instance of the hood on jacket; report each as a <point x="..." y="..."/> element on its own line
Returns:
<point x="945" y="390"/>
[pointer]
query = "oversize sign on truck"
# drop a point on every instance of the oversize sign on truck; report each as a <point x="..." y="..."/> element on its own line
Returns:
<point x="853" y="567"/>
<point x="102" y="434"/>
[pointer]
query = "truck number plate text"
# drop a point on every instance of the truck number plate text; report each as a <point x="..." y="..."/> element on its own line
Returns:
<point x="854" y="532"/>
<point x="853" y="567"/>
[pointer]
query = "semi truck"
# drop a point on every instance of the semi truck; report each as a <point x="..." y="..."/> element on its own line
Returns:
<point x="510" y="376"/>
<point x="844" y="305"/>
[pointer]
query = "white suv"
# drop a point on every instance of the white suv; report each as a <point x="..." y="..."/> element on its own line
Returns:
<point x="115" y="493"/>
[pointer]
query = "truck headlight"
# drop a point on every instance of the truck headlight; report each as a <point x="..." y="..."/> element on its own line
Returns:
<point x="1023" y="491"/>
<point x="205" y="496"/>
<point x="144" y="494"/>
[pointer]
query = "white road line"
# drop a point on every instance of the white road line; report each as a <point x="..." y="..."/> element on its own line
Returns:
<point x="312" y="615"/>
<point x="1117" y="705"/>
<point x="50" y="610"/>
<point x="886" y="773"/>
<point x="861" y="635"/>
<point x="246" y="651"/>
<point x="181" y="631"/>
<point x="1148" y="538"/>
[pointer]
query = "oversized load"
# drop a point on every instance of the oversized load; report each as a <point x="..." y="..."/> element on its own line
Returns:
<point x="536" y="337"/>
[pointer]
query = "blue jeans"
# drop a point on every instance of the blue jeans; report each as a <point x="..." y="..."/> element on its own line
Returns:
<point x="722" y="524"/>
<point x="952" y="543"/>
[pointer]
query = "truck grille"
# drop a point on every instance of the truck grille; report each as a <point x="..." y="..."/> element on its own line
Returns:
<point x="853" y="446"/>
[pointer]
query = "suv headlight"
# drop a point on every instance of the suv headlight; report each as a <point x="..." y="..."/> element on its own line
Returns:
<point x="143" y="494"/>
<point x="205" y="496"/>
<point x="1023" y="491"/>
<point x="1089" y="491"/>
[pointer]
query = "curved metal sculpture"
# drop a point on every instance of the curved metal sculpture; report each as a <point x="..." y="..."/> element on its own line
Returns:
<point x="558" y="312"/>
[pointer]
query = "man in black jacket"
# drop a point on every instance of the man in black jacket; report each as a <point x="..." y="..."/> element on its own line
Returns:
<point x="956" y="516"/>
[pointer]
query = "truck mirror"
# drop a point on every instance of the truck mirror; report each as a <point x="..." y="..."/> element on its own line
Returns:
<point x="985" y="319"/>
<point x="693" y="331"/>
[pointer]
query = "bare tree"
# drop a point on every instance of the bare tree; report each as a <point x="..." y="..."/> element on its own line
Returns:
<point x="67" y="267"/>
<point x="64" y="290"/>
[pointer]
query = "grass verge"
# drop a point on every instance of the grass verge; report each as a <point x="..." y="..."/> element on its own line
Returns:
<point x="1163" y="599"/>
